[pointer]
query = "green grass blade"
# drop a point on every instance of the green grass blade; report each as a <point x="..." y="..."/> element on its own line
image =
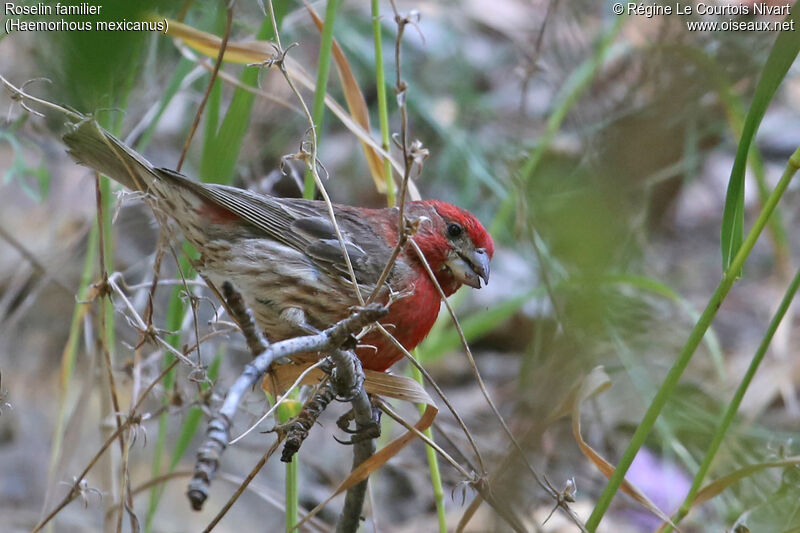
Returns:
<point x="383" y="107"/>
<point x="210" y="129"/>
<point x="287" y="410"/>
<point x="220" y="156"/>
<point x="181" y="71"/>
<point x="695" y="337"/>
<point x="577" y="84"/>
<point x="735" y="112"/>
<point x="736" y="401"/>
<point x="318" y="109"/>
<point x="777" y="65"/>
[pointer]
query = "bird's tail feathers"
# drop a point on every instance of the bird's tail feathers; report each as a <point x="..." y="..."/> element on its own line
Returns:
<point x="92" y="146"/>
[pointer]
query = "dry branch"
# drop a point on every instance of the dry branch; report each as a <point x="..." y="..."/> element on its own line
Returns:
<point x="218" y="432"/>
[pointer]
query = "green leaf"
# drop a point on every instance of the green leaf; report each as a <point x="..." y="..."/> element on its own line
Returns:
<point x="181" y="71"/>
<point x="777" y="65"/>
<point x="219" y="156"/>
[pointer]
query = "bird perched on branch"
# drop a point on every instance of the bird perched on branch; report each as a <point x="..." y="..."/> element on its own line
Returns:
<point x="284" y="256"/>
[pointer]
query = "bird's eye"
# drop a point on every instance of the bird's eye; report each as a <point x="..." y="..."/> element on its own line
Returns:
<point x="454" y="230"/>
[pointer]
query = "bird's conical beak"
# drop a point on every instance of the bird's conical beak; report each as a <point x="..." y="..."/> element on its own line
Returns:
<point x="470" y="267"/>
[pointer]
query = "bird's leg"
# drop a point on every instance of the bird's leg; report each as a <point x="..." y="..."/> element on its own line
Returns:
<point x="297" y="317"/>
<point x="371" y="430"/>
<point x="244" y="317"/>
<point x="349" y="380"/>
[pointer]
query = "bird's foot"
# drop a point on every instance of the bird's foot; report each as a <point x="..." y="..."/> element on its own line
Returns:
<point x="370" y="430"/>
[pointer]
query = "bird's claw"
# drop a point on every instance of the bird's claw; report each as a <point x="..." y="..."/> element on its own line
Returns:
<point x="370" y="430"/>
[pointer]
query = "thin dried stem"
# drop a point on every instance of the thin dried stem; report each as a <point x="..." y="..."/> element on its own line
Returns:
<point x="217" y="65"/>
<point x="476" y="373"/>
<point x="400" y="91"/>
<point x="104" y="341"/>
<point x="278" y="401"/>
<point x="243" y="485"/>
<point x="223" y="476"/>
<point x="148" y="313"/>
<point x="543" y="482"/>
<point x="218" y="433"/>
<point x="441" y="394"/>
<point x="20" y="95"/>
<point x="311" y="158"/>
<point x="389" y="411"/>
<point x="130" y="420"/>
<point x="140" y="324"/>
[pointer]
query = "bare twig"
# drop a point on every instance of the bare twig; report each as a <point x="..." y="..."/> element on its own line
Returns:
<point x="243" y="485"/>
<point x="148" y="313"/>
<point x="297" y="429"/>
<point x="400" y="91"/>
<point x="441" y="394"/>
<point x="261" y="492"/>
<point x="244" y="317"/>
<point x="543" y="482"/>
<point x="21" y="96"/>
<point x="533" y="59"/>
<point x="217" y="65"/>
<point x="474" y="367"/>
<point x="279" y="401"/>
<point x="218" y="432"/>
<point x="31" y="258"/>
<point x="139" y="323"/>
<point x="397" y="418"/>
<point x="348" y="372"/>
<point x="133" y="418"/>
<point x="310" y="159"/>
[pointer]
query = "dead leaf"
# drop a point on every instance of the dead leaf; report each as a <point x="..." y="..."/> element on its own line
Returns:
<point x="357" y="105"/>
<point x="249" y="52"/>
<point x="594" y="383"/>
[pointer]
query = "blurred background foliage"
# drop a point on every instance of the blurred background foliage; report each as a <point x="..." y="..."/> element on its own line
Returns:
<point x="597" y="149"/>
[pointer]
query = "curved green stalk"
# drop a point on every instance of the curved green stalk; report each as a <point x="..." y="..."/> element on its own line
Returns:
<point x="736" y="118"/>
<point x="696" y="336"/>
<point x="577" y="83"/>
<point x="780" y="59"/>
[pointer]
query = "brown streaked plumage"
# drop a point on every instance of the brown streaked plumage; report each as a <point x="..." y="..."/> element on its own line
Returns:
<point x="284" y="257"/>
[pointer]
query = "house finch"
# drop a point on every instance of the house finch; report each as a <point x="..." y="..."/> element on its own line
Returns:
<point x="284" y="257"/>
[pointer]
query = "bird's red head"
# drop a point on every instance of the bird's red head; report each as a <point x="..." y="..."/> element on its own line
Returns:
<point x="455" y="244"/>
